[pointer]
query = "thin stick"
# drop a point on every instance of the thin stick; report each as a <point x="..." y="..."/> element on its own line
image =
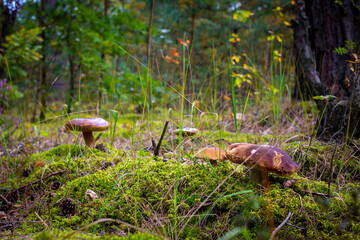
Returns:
<point x="331" y="167"/>
<point x="317" y="193"/>
<point x="156" y="150"/>
<point x="6" y="201"/>
<point x="153" y="143"/>
<point x="280" y="226"/>
<point x="37" y="215"/>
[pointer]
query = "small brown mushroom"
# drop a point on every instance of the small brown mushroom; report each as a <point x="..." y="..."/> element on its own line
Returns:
<point x="213" y="154"/>
<point x="87" y="126"/>
<point x="186" y="132"/>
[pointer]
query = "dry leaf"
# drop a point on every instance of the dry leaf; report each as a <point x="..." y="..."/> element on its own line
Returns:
<point x="92" y="194"/>
<point x="39" y="164"/>
<point x="174" y="53"/>
<point x="186" y="43"/>
<point x="169" y="59"/>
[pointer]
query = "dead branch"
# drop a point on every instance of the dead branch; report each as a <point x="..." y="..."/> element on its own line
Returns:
<point x="7" y="201"/>
<point x="280" y="226"/>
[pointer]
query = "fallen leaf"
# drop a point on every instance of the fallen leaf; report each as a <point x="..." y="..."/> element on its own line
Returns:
<point x="174" y="53"/>
<point x="39" y="164"/>
<point x="92" y="194"/>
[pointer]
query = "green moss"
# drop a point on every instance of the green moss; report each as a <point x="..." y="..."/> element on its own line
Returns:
<point x="141" y="192"/>
<point x="48" y="235"/>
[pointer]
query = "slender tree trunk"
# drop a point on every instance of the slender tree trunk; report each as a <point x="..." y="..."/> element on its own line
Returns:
<point x="71" y="83"/>
<point x="98" y="107"/>
<point x="7" y="21"/>
<point x="41" y="94"/>
<point x="148" y="40"/>
<point x="71" y="59"/>
<point x="148" y="54"/>
<point x="319" y="28"/>
<point x="192" y="33"/>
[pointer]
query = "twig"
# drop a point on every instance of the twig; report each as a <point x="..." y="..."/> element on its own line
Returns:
<point x="301" y="228"/>
<point x="7" y="201"/>
<point x="280" y="226"/>
<point x="156" y="150"/>
<point x="331" y="166"/>
<point x="153" y="143"/>
<point x="317" y="193"/>
<point x="37" y="215"/>
<point x="39" y="180"/>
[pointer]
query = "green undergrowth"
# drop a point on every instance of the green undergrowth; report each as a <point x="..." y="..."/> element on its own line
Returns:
<point x="211" y="201"/>
<point x="45" y="235"/>
<point x="315" y="160"/>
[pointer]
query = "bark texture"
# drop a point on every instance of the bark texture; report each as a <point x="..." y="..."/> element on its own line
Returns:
<point x="319" y="27"/>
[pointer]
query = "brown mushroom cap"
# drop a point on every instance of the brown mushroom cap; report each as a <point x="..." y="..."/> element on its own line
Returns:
<point x="87" y="124"/>
<point x="212" y="153"/>
<point x="187" y="131"/>
<point x="262" y="156"/>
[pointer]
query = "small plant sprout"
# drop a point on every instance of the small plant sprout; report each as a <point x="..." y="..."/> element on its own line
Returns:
<point x="87" y="126"/>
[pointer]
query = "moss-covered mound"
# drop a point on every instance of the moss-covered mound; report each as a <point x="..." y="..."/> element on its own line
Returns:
<point x="173" y="198"/>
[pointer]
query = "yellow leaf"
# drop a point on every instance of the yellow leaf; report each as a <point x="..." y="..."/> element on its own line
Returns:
<point x="174" y="53"/>
<point x="270" y="38"/>
<point x="235" y="59"/>
<point x="278" y="38"/>
<point x="286" y="23"/>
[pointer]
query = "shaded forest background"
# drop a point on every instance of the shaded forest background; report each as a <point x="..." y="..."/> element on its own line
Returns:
<point x="50" y="48"/>
<point x="135" y="56"/>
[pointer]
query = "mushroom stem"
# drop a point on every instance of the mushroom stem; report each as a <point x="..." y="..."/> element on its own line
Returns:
<point x="261" y="175"/>
<point x="269" y="209"/>
<point x="265" y="179"/>
<point x="89" y="139"/>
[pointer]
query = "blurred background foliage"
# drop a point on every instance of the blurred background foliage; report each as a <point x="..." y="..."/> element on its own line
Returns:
<point x="61" y="52"/>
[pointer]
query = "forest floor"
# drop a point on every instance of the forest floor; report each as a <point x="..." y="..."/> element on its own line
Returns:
<point x="54" y="187"/>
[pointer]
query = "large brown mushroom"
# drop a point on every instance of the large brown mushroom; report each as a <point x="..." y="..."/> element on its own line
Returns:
<point x="87" y="126"/>
<point x="212" y="153"/>
<point x="264" y="157"/>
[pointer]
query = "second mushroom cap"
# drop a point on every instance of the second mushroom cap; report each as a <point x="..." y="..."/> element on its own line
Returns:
<point x="87" y="126"/>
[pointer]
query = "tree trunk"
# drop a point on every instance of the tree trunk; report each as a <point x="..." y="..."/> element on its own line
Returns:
<point x="7" y="20"/>
<point x="98" y="106"/>
<point x="319" y="28"/>
<point x="192" y="34"/>
<point x="148" y="54"/>
<point x="71" y="83"/>
<point x="41" y="94"/>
